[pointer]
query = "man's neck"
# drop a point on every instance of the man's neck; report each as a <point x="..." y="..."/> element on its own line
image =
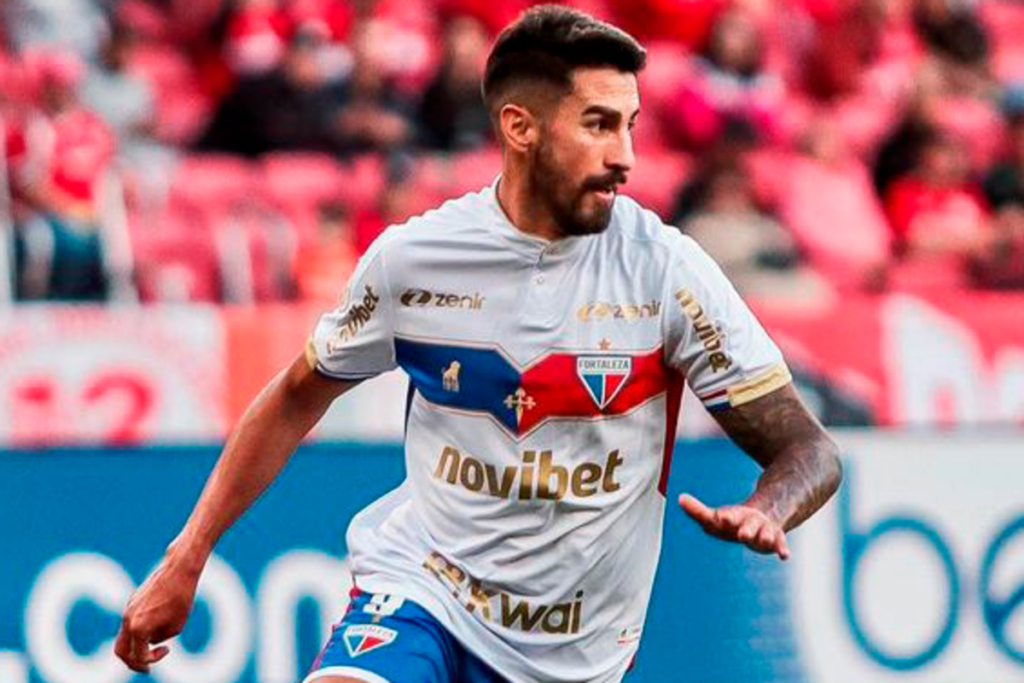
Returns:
<point x="522" y="209"/>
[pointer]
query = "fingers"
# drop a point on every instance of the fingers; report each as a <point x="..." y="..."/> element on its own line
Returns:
<point x="700" y="512"/>
<point x="158" y="653"/>
<point x="782" y="546"/>
<point x="752" y="531"/>
<point x="728" y="520"/>
<point x="133" y="648"/>
<point x="740" y="524"/>
<point x="720" y="522"/>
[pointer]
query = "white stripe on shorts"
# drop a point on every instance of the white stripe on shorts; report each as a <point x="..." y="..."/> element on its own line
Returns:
<point x="347" y="671"/>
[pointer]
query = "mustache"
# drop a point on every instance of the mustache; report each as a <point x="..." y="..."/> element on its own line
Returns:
<point x="606" y="181"/>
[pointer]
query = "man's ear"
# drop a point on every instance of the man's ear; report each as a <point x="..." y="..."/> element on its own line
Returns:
<point x="519" y="127"/>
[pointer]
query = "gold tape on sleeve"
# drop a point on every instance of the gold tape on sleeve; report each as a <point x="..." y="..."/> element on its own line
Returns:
<point x="311" y="353"/>
<point x="765" y="383"/>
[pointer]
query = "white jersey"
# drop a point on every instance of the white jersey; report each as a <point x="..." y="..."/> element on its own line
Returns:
<point x="545" y="382"/>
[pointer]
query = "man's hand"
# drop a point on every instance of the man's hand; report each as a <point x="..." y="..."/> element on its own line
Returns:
<point x="156" y="612"/>
<point x="256" y="451"/>
<point x="740" y="524"/>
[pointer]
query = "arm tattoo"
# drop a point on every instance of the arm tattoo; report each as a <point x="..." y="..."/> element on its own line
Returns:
<point x="801" y="462"/>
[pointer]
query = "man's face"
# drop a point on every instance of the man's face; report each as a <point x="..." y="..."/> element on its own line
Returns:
<point x="585" y="149"/>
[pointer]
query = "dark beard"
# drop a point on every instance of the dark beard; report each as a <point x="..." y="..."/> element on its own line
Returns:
<point x="567" y="212"/>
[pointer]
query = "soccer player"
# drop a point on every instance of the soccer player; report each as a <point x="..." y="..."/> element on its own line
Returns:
<point x="547" y="326"/>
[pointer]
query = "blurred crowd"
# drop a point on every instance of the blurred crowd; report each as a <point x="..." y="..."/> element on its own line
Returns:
<point x="249" y="150"/>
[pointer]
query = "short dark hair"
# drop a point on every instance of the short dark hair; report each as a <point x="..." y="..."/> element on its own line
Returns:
<point x="547" y="43"/>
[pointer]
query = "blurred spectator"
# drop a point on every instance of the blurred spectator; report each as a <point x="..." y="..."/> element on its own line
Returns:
<point x="954" y="35"/>
<point x="289" y="108"/>
<point x="257" y="36"/>
<point x="452" y="114"/>
<point x="258" y="33"/>
<point x="334" y="17"/>
<point x="828" y="203"/>
<point x="1004" y="185"/>
<point x="68" y="148"/>
<point x="74" y="25"/>
<point x="727" y="83"/>
<point x="323" y="267"/>
<point x="121" y="99"/>
<point x="939" y="218"/>
<point x="374" y="115"/>
<point x="958" y="77"/>
<point x="1004" y="189"/>
<point x="900" y="150"/>
<point x="736" y="143"/>
<point x="865" y="47"/>
<point x="757" y="253"/>
<point x="394" y="203"/>
<point x="493" y="14"/>
<point x="124" y="101"/>
<point x="685" y="21"/>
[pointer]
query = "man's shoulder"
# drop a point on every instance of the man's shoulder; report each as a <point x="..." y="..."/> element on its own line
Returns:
<point x="454" y="220"/>
<point x="469" y="211"/>
<point x="645" y="229"/>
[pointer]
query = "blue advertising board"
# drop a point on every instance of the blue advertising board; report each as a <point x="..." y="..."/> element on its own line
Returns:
<point x="81" y="528"/>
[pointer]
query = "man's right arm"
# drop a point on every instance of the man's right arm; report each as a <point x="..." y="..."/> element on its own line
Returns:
<point x="256" y="451"/>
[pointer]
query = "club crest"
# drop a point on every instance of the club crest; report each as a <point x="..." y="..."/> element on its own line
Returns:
<point x="362" y="638"/>
<point x="603" y="376"/>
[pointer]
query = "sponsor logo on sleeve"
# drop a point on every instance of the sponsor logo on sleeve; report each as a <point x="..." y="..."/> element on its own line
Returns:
<point x="708" y="333"/>
<point x="362" y="638"/>
<point x="355" y="319"/>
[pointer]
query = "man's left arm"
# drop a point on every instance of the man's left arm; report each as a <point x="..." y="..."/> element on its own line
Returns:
<point x="801" y="465"/>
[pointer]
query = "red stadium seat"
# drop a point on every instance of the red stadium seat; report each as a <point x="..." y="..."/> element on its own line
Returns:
<point x="144" y="19"/>
<point x="213" y="183"/>
<point x="769" y="170"/>
<point x="182" y="107"/>
<point x="474" y="170"/>
<point x="163" y="66"/>
<point x="1008" y="63"/>
<point x="978" y="124"/>
<point x="1004" y="19"/>
<point x="364" y="180"/>
<point x="864" y="122"/>
<point x="175" y="259"/>
<point x="297" y="184"/>
<point x="832" y="211"/>
<point x="182" y="116"/>
<point x="290" y="179"/>
<point x="256" y="254"/>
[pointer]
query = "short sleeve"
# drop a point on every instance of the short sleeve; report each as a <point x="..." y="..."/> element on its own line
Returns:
<point x="712" y="337"/>
<point x="356" y="339"/>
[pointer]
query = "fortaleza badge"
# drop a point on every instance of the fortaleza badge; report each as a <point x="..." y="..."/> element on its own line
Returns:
<point x="362" y="638"/>
<point x="603" y="376"/>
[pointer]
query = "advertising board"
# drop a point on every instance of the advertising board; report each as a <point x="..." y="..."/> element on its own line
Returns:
<point x="914" y="573"/>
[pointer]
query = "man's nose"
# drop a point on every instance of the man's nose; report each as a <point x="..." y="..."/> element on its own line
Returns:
<point x="621" y="156"/>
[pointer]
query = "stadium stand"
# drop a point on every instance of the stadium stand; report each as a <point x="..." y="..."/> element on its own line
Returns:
<point x="399" y="129"/>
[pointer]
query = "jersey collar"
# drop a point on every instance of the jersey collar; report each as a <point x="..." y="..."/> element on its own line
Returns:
<point x="524" y="243"/>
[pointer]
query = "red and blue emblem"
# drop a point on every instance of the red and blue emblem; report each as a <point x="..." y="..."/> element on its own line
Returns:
<point x="362" y="638"/>
<point x="519" y="398"/>
<point x="603" y="376"/>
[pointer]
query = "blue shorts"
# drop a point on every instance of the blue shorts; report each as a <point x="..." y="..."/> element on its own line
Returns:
<point x="388" y="639"/>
